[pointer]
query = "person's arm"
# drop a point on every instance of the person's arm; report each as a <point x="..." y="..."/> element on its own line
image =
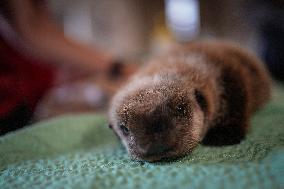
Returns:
<point x="44" y="40"/>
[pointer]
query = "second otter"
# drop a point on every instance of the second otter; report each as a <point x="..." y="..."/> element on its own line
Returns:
<point x="204" y="92"/>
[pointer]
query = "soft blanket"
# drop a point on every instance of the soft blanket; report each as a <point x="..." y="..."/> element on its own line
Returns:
<point x="80" y="151"/>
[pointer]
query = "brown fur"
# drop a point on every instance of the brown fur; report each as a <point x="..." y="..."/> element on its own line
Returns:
<point x="203" y="92"/>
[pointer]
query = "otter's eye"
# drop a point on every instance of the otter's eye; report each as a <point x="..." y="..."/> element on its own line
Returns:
<point x="201" y="100"/>
<point x="124" y="129"/>
<point x="181" y="109"/>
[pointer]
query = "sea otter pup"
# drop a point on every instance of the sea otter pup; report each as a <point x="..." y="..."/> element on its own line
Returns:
<point x="202" y="92"/>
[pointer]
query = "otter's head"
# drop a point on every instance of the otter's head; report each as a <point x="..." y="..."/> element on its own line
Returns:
<point x="158" y="118"/>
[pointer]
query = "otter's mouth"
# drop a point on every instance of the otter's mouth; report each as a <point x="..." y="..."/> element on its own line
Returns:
<point x="165" y="155"/>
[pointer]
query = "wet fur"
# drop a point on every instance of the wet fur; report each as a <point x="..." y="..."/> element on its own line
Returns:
<point x="225" y="86"/>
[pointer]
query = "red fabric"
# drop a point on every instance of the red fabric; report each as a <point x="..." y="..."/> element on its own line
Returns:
<point x="22" y="80"/>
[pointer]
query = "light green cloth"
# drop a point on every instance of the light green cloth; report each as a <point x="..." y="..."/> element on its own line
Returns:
<point x="81" y="152"/>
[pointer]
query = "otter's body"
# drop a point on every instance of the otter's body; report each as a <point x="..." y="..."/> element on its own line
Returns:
<point x="204" y="92"/>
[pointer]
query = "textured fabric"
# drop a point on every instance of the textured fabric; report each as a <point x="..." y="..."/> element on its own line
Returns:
<point x="81" y="152"/>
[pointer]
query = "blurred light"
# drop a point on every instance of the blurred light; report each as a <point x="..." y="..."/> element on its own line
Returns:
<point x="183" y="18"/>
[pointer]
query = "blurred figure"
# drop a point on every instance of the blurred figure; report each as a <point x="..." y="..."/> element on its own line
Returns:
<point x="23" y="82"/>
<point x="36" y="55"/>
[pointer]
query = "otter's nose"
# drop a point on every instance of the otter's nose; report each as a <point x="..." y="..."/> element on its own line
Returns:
<point x="157" y="125"/>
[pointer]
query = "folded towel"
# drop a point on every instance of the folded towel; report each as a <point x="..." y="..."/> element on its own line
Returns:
<point x="79" y="151"/>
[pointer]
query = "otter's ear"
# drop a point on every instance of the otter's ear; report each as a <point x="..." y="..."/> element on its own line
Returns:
<point x="200" y="100"/>
<point x="110" y="126"/>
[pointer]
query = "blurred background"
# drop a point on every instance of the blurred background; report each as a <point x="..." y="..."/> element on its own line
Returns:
<point x="59" y="56"/>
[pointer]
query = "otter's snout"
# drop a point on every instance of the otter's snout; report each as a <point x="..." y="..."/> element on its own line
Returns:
<point x="157" y="125"/>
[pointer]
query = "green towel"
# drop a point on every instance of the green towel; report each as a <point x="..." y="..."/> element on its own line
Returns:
<point x="79" y="151"/>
